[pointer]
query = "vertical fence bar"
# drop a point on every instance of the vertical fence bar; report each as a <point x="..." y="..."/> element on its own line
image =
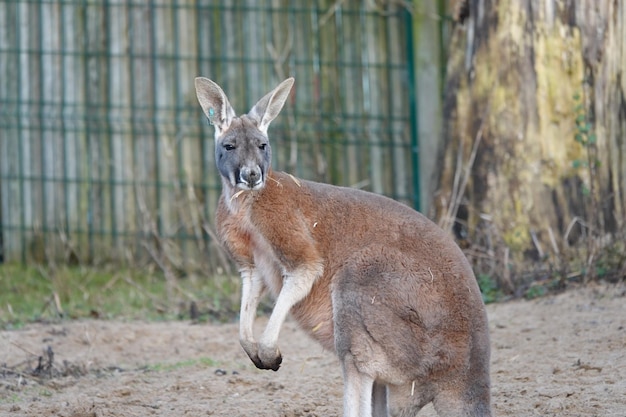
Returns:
<point x="156" y="128"/>
<point x="5" y="123"/>
<point x="373" y="109"/>
<point x="133" y="226"/>
<point x="50" y="135"/>
<point x="348" y="100"/>
<point x="197" y="116"/>
<point x="318" y="164"/>
<point x="413" y="106"/>
<point x="183" y="208"/>
<point x="88" y="212"/>
<point x="11" y="214"/>
<point x="41" y="146"/>
<point x="71" y="127"/>
<point x="398" y="104"/>
<point x="24" y="123"/>
<point x="111" y="167"/>
<point x="65" y="222"/>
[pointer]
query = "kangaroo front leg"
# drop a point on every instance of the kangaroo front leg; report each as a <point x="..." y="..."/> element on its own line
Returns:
<point x="296" y="286"/>
<point x="252" y="288"/>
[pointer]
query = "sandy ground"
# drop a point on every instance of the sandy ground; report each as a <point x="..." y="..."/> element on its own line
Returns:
<point x="562" y="355"/>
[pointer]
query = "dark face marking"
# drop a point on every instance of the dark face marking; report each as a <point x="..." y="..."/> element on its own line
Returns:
<point x="243" y="155"/>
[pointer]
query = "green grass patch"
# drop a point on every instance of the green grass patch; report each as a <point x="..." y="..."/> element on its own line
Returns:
<point x="35" y="293"/>
<point x="489" y="289"/>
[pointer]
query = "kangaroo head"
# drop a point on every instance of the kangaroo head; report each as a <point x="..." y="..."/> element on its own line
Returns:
<point x="242" y="150"/>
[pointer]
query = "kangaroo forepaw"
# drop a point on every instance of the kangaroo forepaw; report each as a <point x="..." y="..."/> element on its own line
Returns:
<point x="270" y="358"/>
<point x="267" y="363"/>
<point x="264" y="357"/>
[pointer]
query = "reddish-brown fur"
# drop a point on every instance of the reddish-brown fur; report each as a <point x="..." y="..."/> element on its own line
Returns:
<point x="364" y="275"/>
<point x="307" y="222"/>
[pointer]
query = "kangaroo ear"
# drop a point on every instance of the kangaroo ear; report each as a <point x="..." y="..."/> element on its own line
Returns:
<point x="266" y="109"/>
<point x="215" y="104"/>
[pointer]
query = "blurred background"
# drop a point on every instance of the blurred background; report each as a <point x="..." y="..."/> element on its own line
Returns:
<point x="104" y="145"/>
<point x="504" y="122"/>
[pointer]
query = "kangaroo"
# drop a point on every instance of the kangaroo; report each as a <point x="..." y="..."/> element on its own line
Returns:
<point x="366" y="276"/>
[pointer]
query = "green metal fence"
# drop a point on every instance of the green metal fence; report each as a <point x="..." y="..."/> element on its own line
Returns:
<point x="104" y="152"/>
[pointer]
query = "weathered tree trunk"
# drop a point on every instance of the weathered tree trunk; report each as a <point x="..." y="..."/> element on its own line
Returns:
<point x="534" y="155"/>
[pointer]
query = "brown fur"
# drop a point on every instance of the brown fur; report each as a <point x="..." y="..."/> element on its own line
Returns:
<point x="380" y="284"/>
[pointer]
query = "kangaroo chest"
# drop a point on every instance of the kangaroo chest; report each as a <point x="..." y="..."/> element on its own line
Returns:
<point x="249" y="247"/>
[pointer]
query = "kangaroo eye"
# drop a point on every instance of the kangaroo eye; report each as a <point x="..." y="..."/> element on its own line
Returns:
<point x="263" y="146"/>
<point x="229" y="147"/>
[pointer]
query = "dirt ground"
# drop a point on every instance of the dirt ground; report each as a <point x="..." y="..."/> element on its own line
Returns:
<point x="563" y="355"/>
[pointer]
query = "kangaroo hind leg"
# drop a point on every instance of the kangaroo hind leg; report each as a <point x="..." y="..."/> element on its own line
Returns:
<point x="357" y="391"/>
<point x="456" y="403"/>
<point x="379" y="400"/>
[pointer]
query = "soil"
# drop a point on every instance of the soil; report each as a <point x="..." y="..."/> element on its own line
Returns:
<point x="561" y="355"/>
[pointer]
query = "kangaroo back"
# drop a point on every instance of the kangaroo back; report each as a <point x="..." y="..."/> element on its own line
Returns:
<point x="366" y="276"/>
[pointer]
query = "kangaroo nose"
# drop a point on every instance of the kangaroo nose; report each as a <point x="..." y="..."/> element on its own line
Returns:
<point x="251" y="176"/>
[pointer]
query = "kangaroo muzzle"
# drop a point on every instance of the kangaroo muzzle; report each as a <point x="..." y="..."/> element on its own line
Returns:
<point x="250" y="178"/>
